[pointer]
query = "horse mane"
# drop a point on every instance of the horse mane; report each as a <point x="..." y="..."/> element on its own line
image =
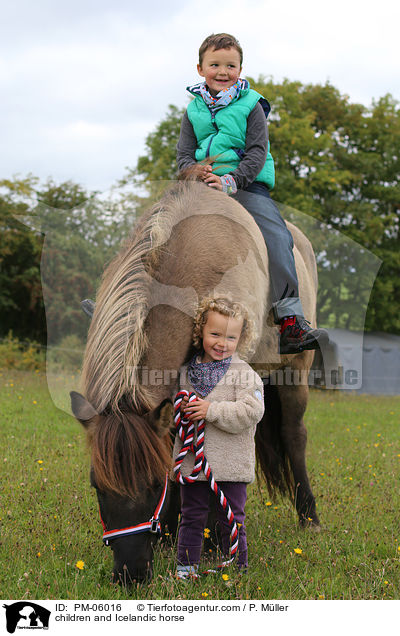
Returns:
<point x="127" y="453"/>
<point x="117" y="339"/>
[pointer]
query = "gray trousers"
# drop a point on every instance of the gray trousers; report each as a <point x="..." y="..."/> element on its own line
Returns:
<point x="279" y="241"/>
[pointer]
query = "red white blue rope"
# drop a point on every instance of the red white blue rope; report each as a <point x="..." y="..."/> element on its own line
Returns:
<point x="185" y="430"/>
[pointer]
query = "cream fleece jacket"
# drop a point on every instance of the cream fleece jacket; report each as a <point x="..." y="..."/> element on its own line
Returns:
<point x="237" y="405"/>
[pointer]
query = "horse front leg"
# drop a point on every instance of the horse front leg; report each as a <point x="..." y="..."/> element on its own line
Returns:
<point x="294" y="436"/>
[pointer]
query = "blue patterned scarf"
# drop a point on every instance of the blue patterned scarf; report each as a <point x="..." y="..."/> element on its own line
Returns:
<point x="223" y="98"/>
<point x="204" y="376"/>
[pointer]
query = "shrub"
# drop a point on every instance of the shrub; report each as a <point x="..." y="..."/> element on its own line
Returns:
<point x="24" y="356"/>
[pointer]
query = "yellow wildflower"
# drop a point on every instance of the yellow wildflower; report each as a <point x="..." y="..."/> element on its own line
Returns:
<point x="80" y="565"/>
<point x="298" y="550"/>
<point x="40" y="461"/>
<point x="268" y="503"/>
<point x="204" y="594"/>
<point x="225" y="577"/>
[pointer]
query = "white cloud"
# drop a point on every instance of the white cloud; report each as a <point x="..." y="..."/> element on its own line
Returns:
<point x="83" y="83"/>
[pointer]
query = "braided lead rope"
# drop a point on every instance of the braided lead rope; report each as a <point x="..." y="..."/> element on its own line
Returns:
<point x="185" y="430"/>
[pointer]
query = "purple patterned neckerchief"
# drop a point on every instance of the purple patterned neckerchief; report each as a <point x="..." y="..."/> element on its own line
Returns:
<point x="204" y="376"/>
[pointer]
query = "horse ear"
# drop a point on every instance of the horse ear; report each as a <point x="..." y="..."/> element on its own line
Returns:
<point x="162" y="417"/>
<point x="81" y="408"/>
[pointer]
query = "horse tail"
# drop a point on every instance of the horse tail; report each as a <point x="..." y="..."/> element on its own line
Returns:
<point x="272" y="459"/>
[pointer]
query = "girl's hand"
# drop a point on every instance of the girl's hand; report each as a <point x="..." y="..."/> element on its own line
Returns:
<point x="184" y="402"/>
<point x="213" y="181"/>
<point x="197" y="410"/>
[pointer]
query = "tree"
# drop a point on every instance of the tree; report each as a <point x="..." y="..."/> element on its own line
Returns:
<point x="157" y="168"/>
<point x="52" y="256"/>
<point x="159" y="163"/>
<point x="21" y="303"/>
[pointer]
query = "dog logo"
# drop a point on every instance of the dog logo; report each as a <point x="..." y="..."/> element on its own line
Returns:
<point x="26" y="615"/>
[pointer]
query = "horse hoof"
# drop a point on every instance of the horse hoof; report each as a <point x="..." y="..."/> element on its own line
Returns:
<point x="310" y="524"/>
<point x="315" y="528"/>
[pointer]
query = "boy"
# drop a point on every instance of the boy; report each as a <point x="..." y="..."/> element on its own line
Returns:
<point x="227" y="119"/>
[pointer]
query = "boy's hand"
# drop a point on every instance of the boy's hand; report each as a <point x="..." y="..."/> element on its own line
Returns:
<point x="197" y="410"/>
<point x="213" y="181"/>
<point x="206" y="170"/>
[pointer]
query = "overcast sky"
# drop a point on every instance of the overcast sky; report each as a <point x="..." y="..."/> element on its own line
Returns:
<point x="83" y="82"/>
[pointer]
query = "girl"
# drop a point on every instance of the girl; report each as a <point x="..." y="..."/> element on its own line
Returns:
<point x="230" y="400"/>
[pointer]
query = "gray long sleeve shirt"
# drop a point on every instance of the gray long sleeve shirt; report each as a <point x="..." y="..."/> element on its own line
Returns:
<point x="255" y="152"/>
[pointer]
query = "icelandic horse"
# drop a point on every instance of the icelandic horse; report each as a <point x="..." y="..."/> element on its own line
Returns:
<point x="194" y="242"/>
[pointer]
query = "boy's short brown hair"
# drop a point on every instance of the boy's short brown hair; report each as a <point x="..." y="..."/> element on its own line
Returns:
<point x="220" y="41"/>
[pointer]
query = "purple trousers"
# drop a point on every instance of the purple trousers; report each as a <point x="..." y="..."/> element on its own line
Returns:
<point x="194" y="513"/>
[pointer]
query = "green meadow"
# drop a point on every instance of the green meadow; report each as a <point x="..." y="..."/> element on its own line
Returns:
<point x="51" y="535"/>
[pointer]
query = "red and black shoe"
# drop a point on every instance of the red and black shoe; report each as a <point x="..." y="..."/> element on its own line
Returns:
<point x="296" y="335"/>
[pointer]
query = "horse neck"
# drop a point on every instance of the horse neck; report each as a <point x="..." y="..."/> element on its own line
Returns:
<point x="170" y="335"/>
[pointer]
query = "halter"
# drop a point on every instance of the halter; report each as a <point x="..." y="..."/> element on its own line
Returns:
<point x="153" y="525"/>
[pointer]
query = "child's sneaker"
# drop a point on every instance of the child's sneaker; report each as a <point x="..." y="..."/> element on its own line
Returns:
<point x="297" y="335"/>
<point x="186" y="572"/>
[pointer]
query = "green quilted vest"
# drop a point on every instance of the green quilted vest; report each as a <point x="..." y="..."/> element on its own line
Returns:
<point x="225" y="135"/>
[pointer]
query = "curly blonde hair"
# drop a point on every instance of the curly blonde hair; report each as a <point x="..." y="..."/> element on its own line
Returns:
<point x="226" y="307"/>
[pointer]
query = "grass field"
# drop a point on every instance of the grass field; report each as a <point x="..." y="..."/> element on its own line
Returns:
<point x="49" y="515"/>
